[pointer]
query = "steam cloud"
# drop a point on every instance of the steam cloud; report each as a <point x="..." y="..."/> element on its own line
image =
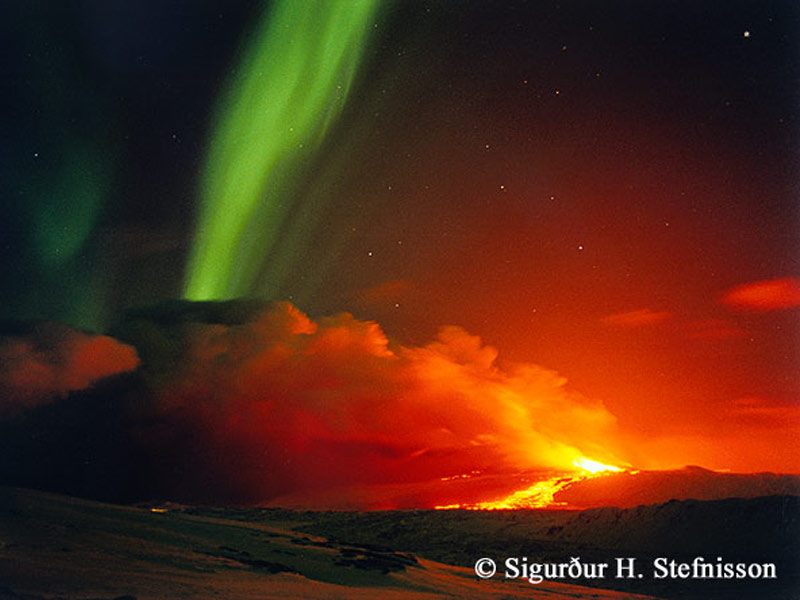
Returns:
<point x="279" y="403"/>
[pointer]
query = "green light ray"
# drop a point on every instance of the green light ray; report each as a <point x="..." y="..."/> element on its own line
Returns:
<point x="292" y="84"/>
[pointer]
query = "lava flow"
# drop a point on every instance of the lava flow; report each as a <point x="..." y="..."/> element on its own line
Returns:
<point x="542" y="493"/>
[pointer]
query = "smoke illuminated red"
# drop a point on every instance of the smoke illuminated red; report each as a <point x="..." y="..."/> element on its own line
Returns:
<point x="283" y="409"/>
<point x="770" y="294"/>
<point x="287" y="404"/>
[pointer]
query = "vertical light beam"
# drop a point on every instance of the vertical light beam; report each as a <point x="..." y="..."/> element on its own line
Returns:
<point x="290" y="86"/>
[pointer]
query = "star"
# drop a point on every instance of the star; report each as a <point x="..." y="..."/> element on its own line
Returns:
<point x="746" y="33"/>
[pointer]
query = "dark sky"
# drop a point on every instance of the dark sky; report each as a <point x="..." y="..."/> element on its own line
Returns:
<point x="608" y="189"/>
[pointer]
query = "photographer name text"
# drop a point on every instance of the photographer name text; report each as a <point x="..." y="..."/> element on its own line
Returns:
<point x="622" y="568"/>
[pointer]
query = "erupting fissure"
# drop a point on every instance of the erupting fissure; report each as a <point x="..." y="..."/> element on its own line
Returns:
<point x="542" y="493"/>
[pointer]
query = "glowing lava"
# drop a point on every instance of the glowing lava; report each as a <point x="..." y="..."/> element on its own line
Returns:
<point x="592" y="466"/>
<point x="542" y="493"/>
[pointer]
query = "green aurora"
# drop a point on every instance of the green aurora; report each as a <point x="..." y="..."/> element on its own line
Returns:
<point x="65" y="172"/>
<point x="291" y="85"/>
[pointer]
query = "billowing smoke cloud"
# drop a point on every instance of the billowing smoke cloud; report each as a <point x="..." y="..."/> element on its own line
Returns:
<point x="52" y="360"/>
<point x="272" y="403"/>
<point x="282" y="403"/>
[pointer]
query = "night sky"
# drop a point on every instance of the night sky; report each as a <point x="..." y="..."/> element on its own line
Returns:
<point x="606" y="189"/>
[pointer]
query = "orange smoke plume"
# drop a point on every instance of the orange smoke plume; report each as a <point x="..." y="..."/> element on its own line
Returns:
<point x="284" y="404"/>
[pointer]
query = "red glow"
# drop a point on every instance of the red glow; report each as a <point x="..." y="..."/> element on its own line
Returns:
<point x="334" y="402"/>
<point x="769" y="294"/>
<point x="55" y="360"/>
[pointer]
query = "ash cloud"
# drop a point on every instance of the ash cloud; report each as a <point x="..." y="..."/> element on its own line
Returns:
<point x="236" y="403"/>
